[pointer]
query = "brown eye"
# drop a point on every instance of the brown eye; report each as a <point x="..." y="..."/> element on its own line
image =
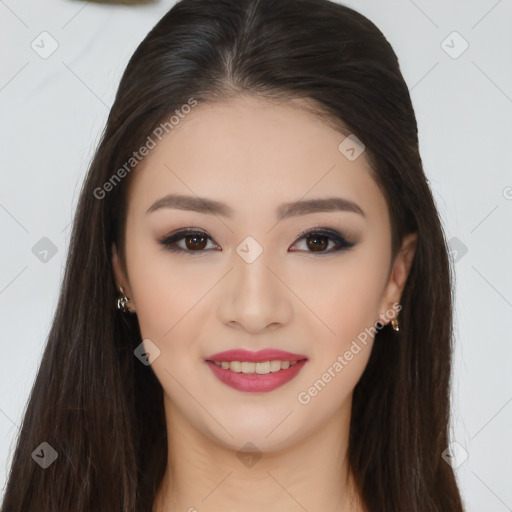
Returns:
<point x="317" y="241"/>
<point x="195" y="242"/>
<point x="188" y="241"/>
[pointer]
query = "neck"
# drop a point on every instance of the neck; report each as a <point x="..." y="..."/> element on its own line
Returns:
<point x="204" y="475"/>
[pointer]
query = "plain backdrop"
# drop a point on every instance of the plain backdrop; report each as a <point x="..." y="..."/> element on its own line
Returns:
<point x="61" y="61"/>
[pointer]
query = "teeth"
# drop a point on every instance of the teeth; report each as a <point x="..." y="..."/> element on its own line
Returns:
<point x="258" y="368"/>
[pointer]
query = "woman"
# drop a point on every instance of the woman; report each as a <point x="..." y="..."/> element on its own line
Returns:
<point x="256" y="309"/>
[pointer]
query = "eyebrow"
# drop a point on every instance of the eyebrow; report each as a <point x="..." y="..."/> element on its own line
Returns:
<point x="285" y="210"/>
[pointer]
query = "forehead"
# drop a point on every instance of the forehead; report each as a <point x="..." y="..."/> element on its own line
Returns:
<point x="251" y="153"/>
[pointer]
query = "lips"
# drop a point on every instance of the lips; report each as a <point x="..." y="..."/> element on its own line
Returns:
<point x="254" y="382"/>
<point x="268" y="354"/>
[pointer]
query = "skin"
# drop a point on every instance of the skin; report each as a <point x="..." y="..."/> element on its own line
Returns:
<point x="254" y="155"/>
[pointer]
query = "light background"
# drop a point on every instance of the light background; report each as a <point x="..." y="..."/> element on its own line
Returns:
<point x="52" y="113"/>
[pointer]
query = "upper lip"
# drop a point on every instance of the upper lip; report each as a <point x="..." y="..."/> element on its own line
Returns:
<point x="268" y="354"/>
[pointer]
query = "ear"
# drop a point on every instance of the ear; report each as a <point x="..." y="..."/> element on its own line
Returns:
<point x="121" y="279"/>
<point x="397" y="278"/>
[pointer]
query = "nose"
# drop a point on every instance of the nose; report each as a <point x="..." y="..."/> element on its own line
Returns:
<point x="254" y="296"/>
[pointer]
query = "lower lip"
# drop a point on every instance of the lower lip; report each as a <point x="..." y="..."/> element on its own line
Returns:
<point x="253" y="382"/>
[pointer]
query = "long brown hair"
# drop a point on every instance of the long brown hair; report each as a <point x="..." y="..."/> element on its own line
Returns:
<point x="99" y="408"/>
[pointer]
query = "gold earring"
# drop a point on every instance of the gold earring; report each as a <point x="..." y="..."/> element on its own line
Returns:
<point x="122" y="302"/>
<point x="394" y="324"/>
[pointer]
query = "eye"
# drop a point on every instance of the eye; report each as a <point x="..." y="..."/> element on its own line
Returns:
<point x="194" y="241"/>
<point x="317" y="240"/>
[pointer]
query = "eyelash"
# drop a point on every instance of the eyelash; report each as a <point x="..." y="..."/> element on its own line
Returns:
<point x="169" y="242"/>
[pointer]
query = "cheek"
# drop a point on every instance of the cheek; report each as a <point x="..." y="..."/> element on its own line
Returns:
<point x="345" y="297"/>
<point x="165" y="293"/>
<point x="169" y="311"/>
<point x="344" y="294"/>
<point x="339" y="358"/>
<point x="168" y="304"/>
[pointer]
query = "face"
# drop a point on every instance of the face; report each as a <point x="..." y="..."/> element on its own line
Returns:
<point x="246" y="278"/>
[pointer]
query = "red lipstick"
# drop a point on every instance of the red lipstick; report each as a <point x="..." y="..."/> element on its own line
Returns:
<point x="255" y="382"/>
<point x="269" y="354"/>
